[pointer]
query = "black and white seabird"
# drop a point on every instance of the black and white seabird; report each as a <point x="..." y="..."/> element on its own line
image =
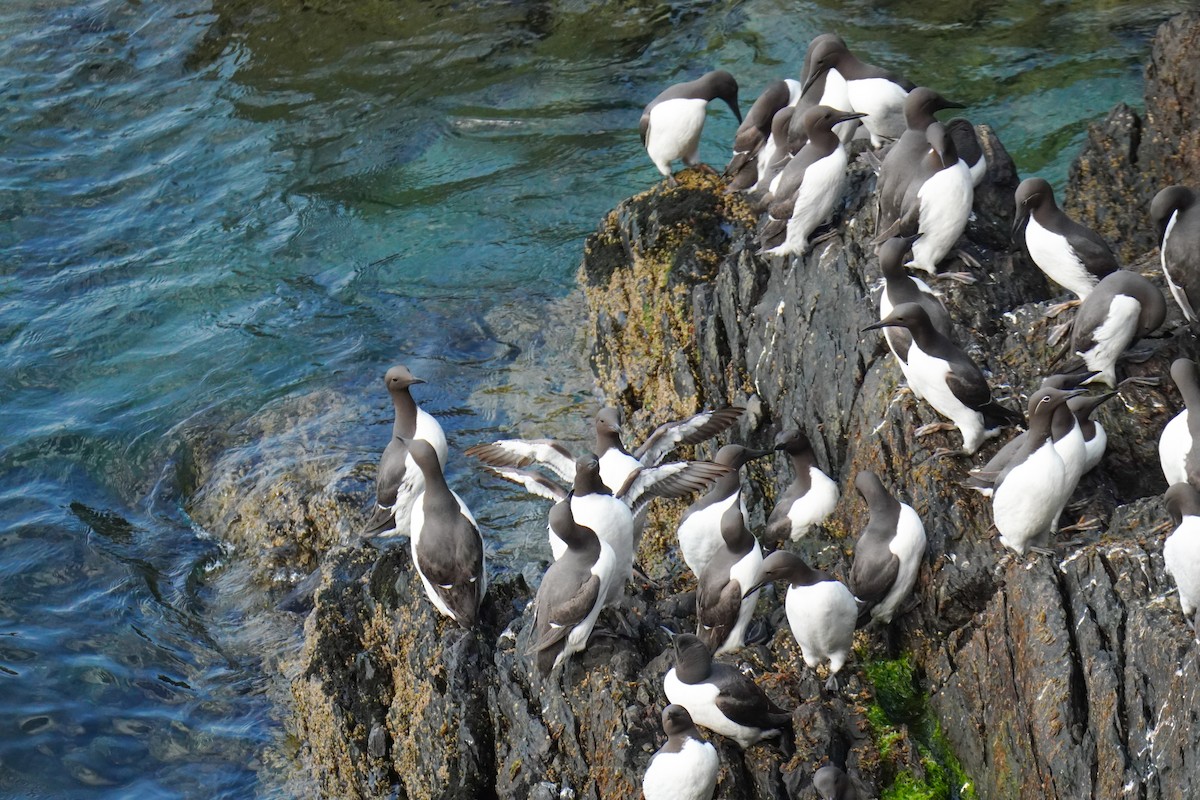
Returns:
<point x="900" y="164"/>
<point x="612" y="516"/>
<point x="743" y="171"/>
<point x="1095" y="439"/>
<point x="1175" y="444"/>
<point x="778" y="149"/>
<point x="1122" y="308"/>
<point x="700" y="526"/>
<point x="871" y="90"/>
<point x="1029" y="493"/>
<point x="805" y="192"/>
<point x="1072" y="255"/>
<point x="970" y="150"/>
<point x="399" y="480"/>
<point x="937" y="202"/>
<point x="889" y="551"/>
<point x="1177" y="219"/>
<point x="672" y="122"/>
<point x="447" y="549"/>
<point x="811" y="496"/>
<point x="1181" y="551"/>
<point x="686" y="767"/>
<point x="720" y="697"/>
<point x="573" y="591"/>
<point x="821" y="611"/>
<point x="1079" y="440"/>
<point x="833" y="784"/>
<point x="900" y="287"/>
<point x="728" y="591"/>
<point x="946" y="377"/>
<point x="617" y="464"/>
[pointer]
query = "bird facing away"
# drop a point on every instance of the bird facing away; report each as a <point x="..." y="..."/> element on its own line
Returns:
<point x="398" y="480"/>
<point x="686" y="766"/>
<point x="447" y="549"/>
<point x="1072" y="255"/>
<point x="889" y="551"/>
<point x="672" y="122"/>
<point x="572" y="592"/>
<point x="946" y="377"/>
<point x="811" y="496"/>
<point x="1122" y="308"/>
<point x="1177" y="220"/>
<point x="821" y="611"/>
<point x="720" y="697"/>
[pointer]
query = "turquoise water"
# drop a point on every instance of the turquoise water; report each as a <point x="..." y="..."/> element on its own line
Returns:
<point x="208" y="207"/>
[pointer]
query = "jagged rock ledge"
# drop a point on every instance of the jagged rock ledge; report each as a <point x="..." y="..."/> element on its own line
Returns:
<point x="1056" y="678"/>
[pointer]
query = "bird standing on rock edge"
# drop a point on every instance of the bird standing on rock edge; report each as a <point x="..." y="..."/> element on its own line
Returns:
<point x="1072" y="255"/>
<point x="888" y="553"/>
<point x="398" y="479"/>
<point x="672" y="122"/>
<point x="946" y="377"/>
<point x="447" y="549"/>
<point x="573" y="591"/>
<point x="812" y="183"/>
<point x="811" y="496"/>
<point x="1031" y="490"/>
<point x="720" y="697"/>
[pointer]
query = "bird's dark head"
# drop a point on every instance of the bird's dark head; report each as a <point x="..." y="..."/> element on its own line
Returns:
<point x="906" y="315"/>
<point x="1166" y="203"/>
<point x="819" y="120"/>
<point x="792" y="441"/>
<point x="735" y="455"/>
<point x="693" y="662"/>
<point x="722" y="85"/>
<point x="676" y="720"/>
<point x="826" y="55"/>
<point x="1031" y="195"/>
<point x="892" y="254"/>
<point x="608" y="420"/>
<point x="923" y="101"/>
<point x="398" y="378"/>
<point x="1182" y="500"/>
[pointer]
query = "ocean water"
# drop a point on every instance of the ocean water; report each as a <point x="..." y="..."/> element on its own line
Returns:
<point x="209" y="207"/>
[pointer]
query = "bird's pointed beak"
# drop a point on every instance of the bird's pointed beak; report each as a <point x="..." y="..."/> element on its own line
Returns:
<point x="755" y="587"/>
<point x="874" y="326"/>
<point x="416" y="381"/>
<point x="812" y="78"/>
<point x="847" y="115"/>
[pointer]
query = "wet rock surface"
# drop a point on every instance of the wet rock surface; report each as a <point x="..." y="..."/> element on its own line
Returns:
<point x="1060" y="676"/>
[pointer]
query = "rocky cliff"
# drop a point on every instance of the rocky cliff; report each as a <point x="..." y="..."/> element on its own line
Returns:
<point x="1059" y="677"/>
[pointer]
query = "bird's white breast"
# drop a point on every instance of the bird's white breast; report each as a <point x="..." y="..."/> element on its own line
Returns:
<point x="1166" y="253"/>
<point x="700" y="533"/>
<point x="1055" y="257"/>
<point x="690" y="774"/>
<point x="927" y="375"/>
<point x="675" y="127"/>
<point x="817" y="503"/>
<point x="1173" y="447"/>
<point x="1025" y="504"/>
<point x="908" y="545"/>
<point x="822" y="618"/>
<point x="429" y="430"/>
<point x="946" y="200"/>
<point x="1113" y="336"/>
<point x="616" y="467"/>
<point x="883" y="103"/>
<point x="1181" y="553"/>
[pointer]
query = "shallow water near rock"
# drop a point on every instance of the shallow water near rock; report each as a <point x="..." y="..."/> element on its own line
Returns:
<point x="207" y="209"/>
